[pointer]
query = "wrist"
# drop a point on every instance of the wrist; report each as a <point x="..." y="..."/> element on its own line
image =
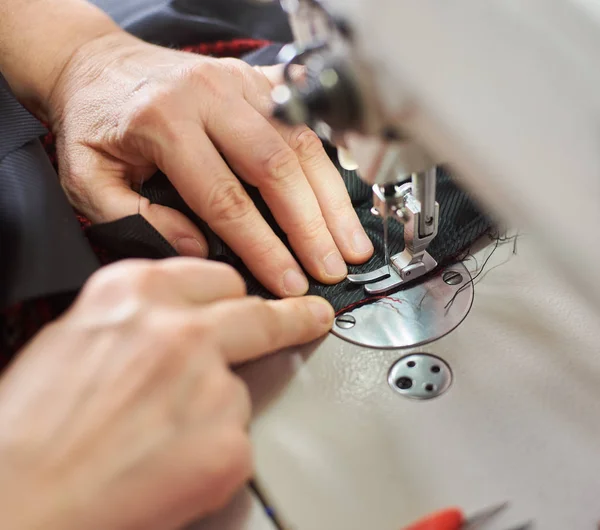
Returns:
<point x="96" y="58"/>
<point x="37" y="40"/>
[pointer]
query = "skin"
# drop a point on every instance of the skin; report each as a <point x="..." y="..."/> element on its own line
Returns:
<point x="124" y="414"/>
<point x="121" y="109"/>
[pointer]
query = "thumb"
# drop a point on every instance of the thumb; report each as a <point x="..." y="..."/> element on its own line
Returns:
<point x="114" y="199"/>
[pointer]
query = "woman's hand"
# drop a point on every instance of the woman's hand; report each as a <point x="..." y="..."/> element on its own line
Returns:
<point x="124" y="413"/>
<point x="122" y="108"/>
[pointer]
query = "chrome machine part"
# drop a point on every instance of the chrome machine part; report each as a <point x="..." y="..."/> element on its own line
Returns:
<point x="454" y="90"/>
<point x="414" y="205"/>
<point x="417" y="315"/>
<point x="336" y="91"/>
<point x="420" y="376"/>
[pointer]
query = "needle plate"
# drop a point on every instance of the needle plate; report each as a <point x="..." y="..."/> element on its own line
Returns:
<point x="413" y="316"/>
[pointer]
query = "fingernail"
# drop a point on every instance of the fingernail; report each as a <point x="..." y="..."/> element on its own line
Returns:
<point x="361" y="243"/>
<point x="321" y="310"/>
<point x="294" y="283"/>
<point x="335" y="265"/>
<point x="188" y="246"/>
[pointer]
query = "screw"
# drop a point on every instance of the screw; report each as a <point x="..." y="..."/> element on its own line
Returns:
<point x="345" y="321"/>
<point x="429" y="221"/>
<point x="452" y="277"/>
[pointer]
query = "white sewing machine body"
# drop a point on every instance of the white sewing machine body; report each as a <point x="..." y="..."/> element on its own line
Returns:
<point x="505" y="92"/>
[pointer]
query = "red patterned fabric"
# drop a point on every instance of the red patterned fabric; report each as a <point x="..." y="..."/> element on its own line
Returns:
<point x="234" y="48"/>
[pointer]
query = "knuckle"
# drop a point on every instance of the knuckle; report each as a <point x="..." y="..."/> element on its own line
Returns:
<point x="117" y="278"/>
<point x="149" y="112"/>
<point x="340" y="207"/>
<point x="307" y="144"/>
<point x="311" y="229"/>
<point x="282" y="164"/>
<point x="270" y="317"/>
<point x="208" y="75"/>
<point x="265" y="251"/>
<point x="119" y="296"/>
<point x="300" y="310"/>
<point x="192" y="330"/>
<point x="236" y="68"/>
<point x="145" y="111"/>
<point x="146" y="279"/>
<point x="207" y="69"/>
<point x="228" y="202"/>
<point x="212" y="271"/>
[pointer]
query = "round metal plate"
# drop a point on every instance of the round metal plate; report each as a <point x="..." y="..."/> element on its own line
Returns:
<point x="411" y="317"/>
<point x="420" y="376"/>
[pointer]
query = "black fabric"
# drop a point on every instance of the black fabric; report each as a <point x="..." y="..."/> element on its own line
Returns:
<point x="179" y="23"/>
<point x="42" y="248"/>
<point x="460" y="225"/>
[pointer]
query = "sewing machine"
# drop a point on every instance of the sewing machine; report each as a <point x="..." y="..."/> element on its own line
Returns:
<point x="507" y="93"/>
<point x="504" y="92"/>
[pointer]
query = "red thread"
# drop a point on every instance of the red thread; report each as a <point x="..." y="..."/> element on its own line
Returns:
<point x="366" y="301"/>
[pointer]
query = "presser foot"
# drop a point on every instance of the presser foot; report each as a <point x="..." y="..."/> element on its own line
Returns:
<point x="403" y="268"/>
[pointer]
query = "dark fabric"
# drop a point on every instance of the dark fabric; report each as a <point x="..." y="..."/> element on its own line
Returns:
<point x="178" y="23"/>
<point x="20" y="322"/>
<point x="460" y="225"/>
<point x="40" y="244"/>
<point x="42" y="249"/>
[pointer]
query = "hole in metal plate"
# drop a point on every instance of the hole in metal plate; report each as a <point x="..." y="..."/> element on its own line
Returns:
<point x="420" y="376"/>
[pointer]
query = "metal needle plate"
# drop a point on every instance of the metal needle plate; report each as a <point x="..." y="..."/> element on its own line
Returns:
<point x="413" y="316"/>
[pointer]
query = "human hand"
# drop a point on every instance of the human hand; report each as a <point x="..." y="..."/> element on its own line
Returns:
<point x="123" y="414"/>
<point x="122" y="108"/>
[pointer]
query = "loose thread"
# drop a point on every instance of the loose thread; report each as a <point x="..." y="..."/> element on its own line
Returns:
<point x="481" y="270"/>
<point x="461" y="258"/>
<point x="366" y="301"/>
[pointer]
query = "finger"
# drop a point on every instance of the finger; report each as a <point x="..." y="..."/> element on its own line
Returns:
<point x="177" y="280"/>
<point x="261" y="156"/>
<point x="200" y="282"/>
<point x="331" y="193"/>
<point x="215" y="194"/>
<point x="113" y="199"/>
<point x="323" y="177"/>
<point x="265" y="326"/>
<point x="275" y="73"/>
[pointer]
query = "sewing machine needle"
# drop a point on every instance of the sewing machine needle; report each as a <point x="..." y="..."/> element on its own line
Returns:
<point x="386" y="247"/>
